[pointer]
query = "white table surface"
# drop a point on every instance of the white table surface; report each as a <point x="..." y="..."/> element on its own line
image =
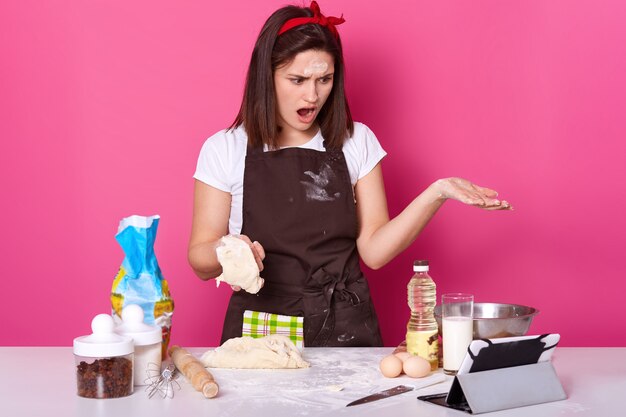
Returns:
<point x="41" y="381"/>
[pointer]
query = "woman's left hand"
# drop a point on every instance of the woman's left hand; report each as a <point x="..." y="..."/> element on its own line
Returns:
<point x="471" y="194"/>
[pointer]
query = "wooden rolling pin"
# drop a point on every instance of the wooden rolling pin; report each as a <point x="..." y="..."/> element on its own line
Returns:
<point x="194" y="371"/>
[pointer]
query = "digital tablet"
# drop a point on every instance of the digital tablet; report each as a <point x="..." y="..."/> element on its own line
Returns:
<point x="489" y="354"/>
<point x="504" y="352"/>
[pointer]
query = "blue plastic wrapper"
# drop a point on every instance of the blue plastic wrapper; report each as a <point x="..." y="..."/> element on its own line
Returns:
<point x="139" y="280"/>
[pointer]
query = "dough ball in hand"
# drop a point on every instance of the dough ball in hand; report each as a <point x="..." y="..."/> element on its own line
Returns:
<point x="239" y="268"/>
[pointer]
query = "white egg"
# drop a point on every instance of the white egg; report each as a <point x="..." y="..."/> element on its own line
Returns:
<point x="391" y="366"/>
<point x="416" y="367"/>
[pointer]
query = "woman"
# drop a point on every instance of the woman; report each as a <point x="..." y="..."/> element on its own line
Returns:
<point x="301" y="183"/>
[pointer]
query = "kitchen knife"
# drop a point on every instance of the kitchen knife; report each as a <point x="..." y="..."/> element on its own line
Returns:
<point x="400" y="389"/>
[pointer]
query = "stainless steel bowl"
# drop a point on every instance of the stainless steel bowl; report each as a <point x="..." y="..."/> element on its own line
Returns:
<point x="493" y="320"/>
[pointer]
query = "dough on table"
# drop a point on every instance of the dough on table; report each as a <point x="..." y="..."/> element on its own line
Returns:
<point x="238" y="265"/>
<point x="268" y="352"/>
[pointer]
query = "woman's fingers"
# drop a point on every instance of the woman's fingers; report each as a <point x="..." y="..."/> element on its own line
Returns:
<point x="491" y="203"/>
<point x="259" y="254"/>
<point x="503" y="205"/>
<point x="257" y="250"/>
<point x="474" y="195"/>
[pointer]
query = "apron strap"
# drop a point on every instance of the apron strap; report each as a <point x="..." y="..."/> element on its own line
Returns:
<point x="255" y="150"/>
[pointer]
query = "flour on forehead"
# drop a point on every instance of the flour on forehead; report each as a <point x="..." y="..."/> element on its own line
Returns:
<point x="315" y="67"/>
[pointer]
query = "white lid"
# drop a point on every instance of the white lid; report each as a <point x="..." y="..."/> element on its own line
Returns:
<point x="133" y="326"/>
<point x="103" y="342"/>
<point x="420" y="266"/>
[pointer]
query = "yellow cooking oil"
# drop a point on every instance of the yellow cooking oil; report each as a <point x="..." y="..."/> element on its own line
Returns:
<point x="422" y="331"/>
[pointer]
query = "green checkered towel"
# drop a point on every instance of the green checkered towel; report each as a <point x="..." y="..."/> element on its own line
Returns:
<point x="258" y="324"/>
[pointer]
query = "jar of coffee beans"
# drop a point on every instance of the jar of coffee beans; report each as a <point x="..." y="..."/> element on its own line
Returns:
<point x="104" y="361"/>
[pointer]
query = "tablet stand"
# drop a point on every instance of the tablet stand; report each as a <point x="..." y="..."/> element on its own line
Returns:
<point x="505" y="388"/>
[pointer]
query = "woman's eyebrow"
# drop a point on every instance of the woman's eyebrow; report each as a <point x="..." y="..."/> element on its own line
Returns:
<point x="307" y="77"/>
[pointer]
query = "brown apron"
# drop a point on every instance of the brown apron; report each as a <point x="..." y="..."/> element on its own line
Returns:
<point x="300" y="205"/>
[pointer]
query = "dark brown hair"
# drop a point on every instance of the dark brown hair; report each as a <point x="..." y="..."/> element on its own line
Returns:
<point x="258" y="107"/>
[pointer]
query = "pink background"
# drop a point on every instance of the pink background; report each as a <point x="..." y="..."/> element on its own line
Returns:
<point x="104" y="106"/>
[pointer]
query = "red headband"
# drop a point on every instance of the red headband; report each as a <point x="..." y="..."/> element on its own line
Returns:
<point x="318" y="18"/>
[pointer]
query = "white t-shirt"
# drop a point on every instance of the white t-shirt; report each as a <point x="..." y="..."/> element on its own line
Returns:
<point x="222" y="161"/>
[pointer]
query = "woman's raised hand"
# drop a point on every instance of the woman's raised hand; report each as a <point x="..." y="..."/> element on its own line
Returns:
<point x="466" y="192"/>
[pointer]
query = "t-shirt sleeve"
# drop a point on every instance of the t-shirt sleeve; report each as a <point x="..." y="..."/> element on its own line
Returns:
<point x="370" y="150"/>
<point x="212" y="167"/>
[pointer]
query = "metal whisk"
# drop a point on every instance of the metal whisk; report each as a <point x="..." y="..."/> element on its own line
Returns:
<point x="161" y="382"/>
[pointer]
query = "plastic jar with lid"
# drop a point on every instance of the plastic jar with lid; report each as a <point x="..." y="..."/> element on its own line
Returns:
<point x="104" y="361"/>
<point x="147" y="340"/>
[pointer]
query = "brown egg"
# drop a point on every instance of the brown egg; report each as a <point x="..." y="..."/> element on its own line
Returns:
<point x="416" y="367"/>
<point x="391" y="366"/>
<point x="403" y="355"/>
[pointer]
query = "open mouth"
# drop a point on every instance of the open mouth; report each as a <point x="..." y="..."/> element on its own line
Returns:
<point x="306" y="114"/>
<point x="307" y="111"/>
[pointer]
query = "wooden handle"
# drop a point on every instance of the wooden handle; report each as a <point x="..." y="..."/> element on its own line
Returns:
<point x="194" y="371"/>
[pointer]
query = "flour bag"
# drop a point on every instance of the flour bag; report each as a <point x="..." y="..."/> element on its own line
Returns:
<point x="139" y="280"/>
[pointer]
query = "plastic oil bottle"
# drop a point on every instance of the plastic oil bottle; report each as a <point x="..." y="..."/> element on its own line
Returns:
<point x="422" y="329"/>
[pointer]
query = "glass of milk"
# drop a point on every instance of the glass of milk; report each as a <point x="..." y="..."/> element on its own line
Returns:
<point x="456" y="317"/>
